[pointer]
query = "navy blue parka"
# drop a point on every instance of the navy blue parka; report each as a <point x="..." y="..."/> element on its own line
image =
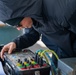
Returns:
<point x="54" y="19"/>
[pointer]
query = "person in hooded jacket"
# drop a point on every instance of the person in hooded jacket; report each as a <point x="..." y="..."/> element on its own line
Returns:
<point x="53" y="19"/>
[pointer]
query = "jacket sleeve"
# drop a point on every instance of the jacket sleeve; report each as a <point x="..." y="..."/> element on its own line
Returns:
<point x="29" y="38"/>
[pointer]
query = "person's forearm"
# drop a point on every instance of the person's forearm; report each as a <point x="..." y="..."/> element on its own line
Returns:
<point x="27" y="39"/>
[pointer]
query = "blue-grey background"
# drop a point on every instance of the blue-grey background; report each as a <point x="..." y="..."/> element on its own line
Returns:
<point x="8" y="33"/>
